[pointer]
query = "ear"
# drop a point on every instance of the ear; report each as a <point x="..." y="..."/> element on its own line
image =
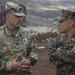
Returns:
<point x="70" y="23"/>
<point x="8" y="16"/>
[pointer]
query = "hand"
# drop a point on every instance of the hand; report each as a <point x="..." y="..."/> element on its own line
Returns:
<point x="24" y="64"/>
<point x="73" y="49"/>
<point x="58" y="49"/>
<point x="24" y="61"/>
<point x="15" y="63"/>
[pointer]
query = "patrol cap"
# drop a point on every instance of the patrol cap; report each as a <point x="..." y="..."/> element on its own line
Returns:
<point x="65" y="15"/>
<point x="14" y="8"/>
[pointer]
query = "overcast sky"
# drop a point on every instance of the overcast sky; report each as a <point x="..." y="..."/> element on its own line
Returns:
<point x="58" y="0"/>
<point x="54" y="0"/>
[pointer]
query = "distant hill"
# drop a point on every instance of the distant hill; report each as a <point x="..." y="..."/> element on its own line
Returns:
<point x="42" y="12"/>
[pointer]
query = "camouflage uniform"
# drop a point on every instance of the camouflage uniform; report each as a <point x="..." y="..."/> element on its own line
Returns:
<point x="61" y="53"/>
<point x="12" y="45"/>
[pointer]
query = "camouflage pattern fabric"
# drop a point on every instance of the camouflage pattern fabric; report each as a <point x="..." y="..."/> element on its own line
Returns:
<point x="14" y="8"/>
<point x="12" y="45"/>
<point x="61" y="54"/>
<point x="65" y="15"/>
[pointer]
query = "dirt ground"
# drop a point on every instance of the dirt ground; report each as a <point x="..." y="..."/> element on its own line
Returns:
<point x="43" y="66"/>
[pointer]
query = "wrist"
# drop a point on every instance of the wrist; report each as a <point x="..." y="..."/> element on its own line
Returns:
<point x="7" y="66"/>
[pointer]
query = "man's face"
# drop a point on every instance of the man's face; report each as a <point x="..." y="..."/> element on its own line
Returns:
<point x="15" y="21"/>
<point x="63" y="26"/>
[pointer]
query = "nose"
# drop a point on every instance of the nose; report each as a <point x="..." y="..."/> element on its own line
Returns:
<point x="20" y="18"/>
<point x="55" y="22"/>
<point x="59" y="23"/>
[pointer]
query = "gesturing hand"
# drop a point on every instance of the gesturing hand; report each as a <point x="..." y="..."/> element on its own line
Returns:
<point x="73" y="49"/>
<point x="15" y="63"/>
<point x="24" y="64"/>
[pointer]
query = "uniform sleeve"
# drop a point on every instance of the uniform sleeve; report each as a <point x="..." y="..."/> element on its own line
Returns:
<point x="57" y="53"/>
<point x="1" y="66"/>
<point x="4" y="64"/>
<point x="52" y="51"/>
<point x="66" y="55"/>
<point x="32" y="51"/>
<point x="52" y="55"/>
<point x="7" y="66"/>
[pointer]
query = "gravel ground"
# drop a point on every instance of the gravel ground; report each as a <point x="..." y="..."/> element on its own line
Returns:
<point x="43" y="66"/>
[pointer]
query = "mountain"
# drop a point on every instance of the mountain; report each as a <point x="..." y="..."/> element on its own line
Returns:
<point x="42" y="12"/>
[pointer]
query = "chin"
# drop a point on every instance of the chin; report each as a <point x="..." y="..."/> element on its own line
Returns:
<point x="60" y="31"/>
<point x="18" y="26"/>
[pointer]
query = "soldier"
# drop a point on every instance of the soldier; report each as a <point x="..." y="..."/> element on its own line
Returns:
<point x="18" y="52"/>
<point x="62" y="49"/>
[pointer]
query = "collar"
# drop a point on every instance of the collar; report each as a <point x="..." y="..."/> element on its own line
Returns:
<point x="73" y="36"/>
<point x="8" y="32"/>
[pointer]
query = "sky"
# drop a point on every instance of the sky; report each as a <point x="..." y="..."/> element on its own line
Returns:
<point x="54" y="0"/>
<point x="59" y="0"/>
